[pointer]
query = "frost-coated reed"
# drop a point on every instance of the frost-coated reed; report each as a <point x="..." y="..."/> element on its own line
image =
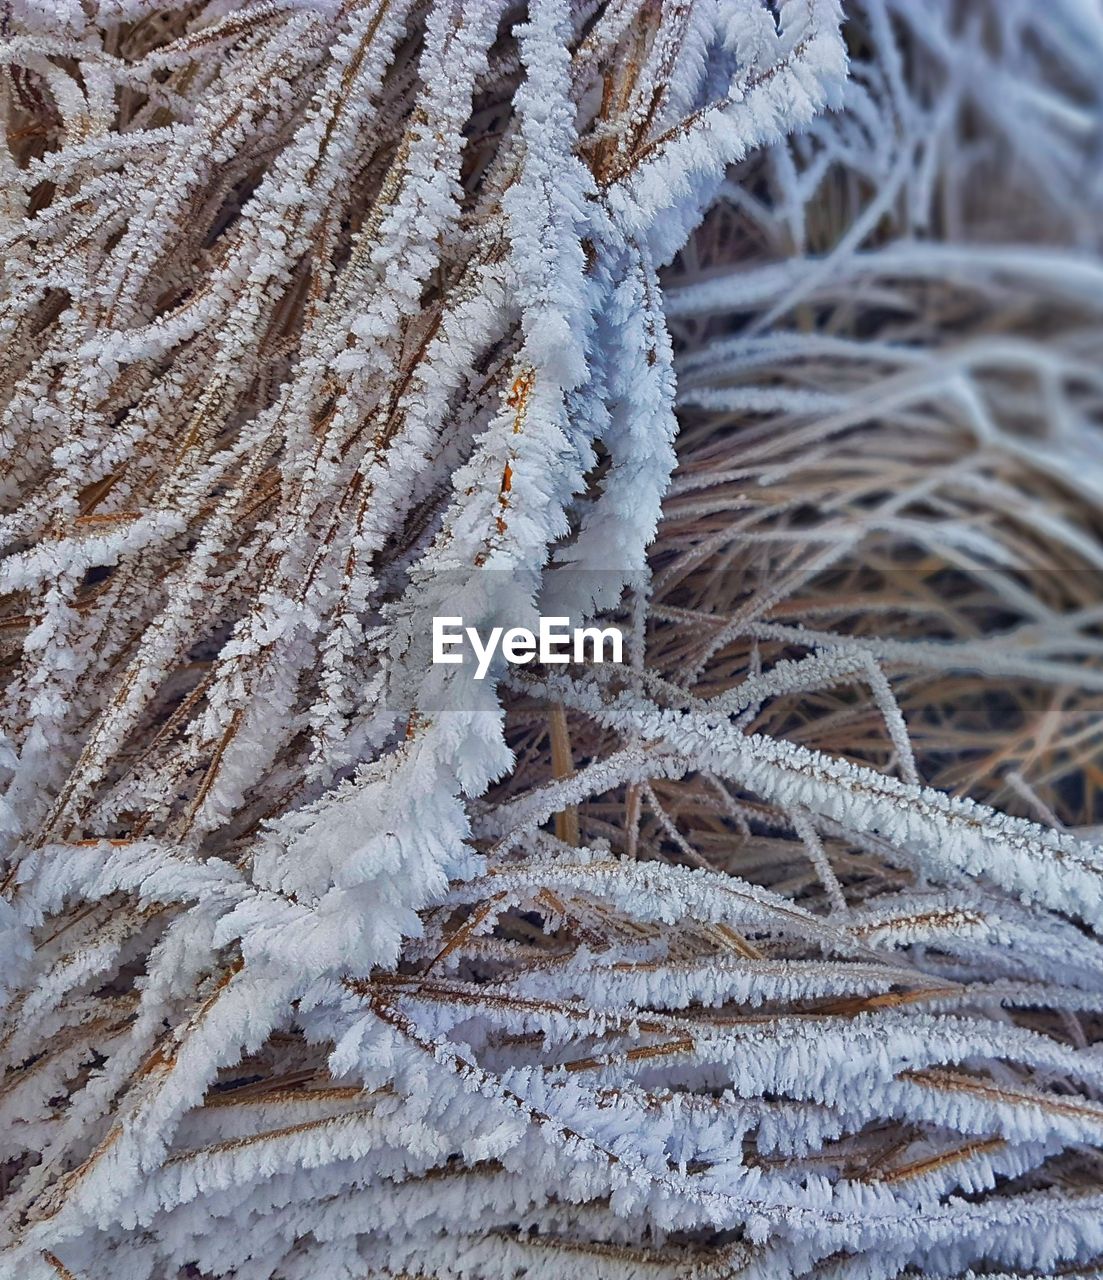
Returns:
<point x="775" y="951"/>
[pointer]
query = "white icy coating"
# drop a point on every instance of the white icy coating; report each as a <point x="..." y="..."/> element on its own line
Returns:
<point x="352" y="311"/>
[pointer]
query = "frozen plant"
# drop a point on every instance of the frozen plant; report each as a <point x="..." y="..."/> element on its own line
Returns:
<point x="774" y="952"/>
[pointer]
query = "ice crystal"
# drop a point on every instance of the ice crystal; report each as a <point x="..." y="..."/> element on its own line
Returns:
<point x="774" y="952"/>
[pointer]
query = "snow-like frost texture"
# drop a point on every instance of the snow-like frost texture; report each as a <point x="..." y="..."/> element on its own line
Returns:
<point x="771" y="332"/>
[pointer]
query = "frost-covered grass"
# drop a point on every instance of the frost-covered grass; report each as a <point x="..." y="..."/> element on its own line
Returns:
<point x="772" y="334"/>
